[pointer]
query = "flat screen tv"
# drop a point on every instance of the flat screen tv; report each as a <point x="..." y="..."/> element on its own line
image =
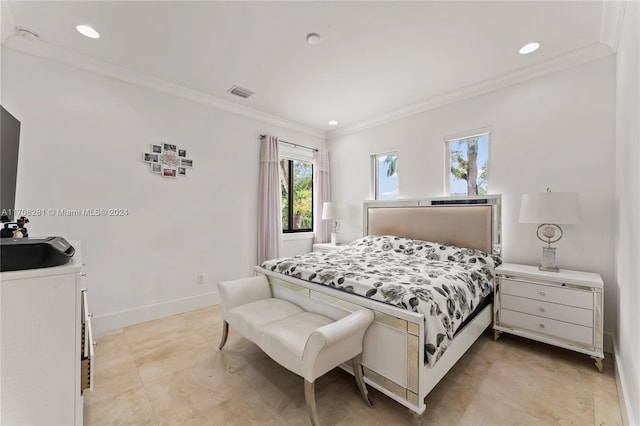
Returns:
<point x="9" y="144"/>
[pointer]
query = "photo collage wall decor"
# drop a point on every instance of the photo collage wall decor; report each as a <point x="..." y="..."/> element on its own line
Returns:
<point x="167" y="160"/>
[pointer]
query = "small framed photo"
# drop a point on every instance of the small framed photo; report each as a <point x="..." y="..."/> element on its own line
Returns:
<point x="182" y="171"/>
<point x="169" y="147"/>
<point x="169" y="172"/>
<point x="150" y="158"/>
<point x="182" y="153"/>
<point x="186" y="163"/>
<point x="156" y="168"/>
<point x="156" y="149"/>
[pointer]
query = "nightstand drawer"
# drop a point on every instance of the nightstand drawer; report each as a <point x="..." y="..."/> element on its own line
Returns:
<point x="555" y="311"/>
<point x="548" y="293"/>
<point x="539" y="325"/>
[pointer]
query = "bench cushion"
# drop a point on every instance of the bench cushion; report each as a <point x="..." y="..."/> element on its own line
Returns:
<point x="249" y="318"/>
<point x="285" y="340"/>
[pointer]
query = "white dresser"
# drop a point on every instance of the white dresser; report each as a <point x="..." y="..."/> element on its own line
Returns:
<point x="559" y="308"/>
<point x="44" y="363"/>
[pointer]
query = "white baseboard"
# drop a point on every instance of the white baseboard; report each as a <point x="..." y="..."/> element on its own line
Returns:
<point x="103" y="324"/>
<point x="607" y="342"/>
<point x="623" y="394"/>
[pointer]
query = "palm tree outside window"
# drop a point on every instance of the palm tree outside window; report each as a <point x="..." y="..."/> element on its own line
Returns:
<point x="385" y="176"/>
<point x="468" y="164"/>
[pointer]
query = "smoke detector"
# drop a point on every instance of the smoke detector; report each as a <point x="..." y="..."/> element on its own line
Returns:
<point x="27" y="33"/>
<point x="314" y="39"/>
<point x="240" y="91"/>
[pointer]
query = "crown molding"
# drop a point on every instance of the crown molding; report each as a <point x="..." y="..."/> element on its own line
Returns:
<point x="613" y="14"/>
<point x="57" y="54"/>
<point x="611" y="23"/>
<point x="574" y="58"/>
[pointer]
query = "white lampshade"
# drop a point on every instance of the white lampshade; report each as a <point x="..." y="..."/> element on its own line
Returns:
<point x="550" y="207"/>
<point x="334" y="211"/>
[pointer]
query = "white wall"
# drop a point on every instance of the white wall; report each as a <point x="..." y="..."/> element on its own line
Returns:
<point x="627" y="244"/>
<point x="554" y="131"/>
<point x="81" y="144"/>
<point x="296" y="244"/>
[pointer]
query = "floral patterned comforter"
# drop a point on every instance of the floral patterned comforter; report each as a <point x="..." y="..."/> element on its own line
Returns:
<point x="444" y="283"/>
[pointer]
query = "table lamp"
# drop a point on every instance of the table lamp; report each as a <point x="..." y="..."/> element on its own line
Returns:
<point x="334" y="212"/>
<point x="549" y="209"/>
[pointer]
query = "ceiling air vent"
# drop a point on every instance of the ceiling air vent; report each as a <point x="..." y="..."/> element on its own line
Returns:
<point x="240" y="91"/>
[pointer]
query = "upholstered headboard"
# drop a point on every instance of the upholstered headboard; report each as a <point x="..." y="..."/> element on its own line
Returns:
<point x="468" y="222"/>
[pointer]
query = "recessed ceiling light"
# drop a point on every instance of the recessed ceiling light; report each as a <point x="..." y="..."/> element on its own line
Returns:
<point x="314" y="39"/>
<point x="87" y="31"/>
<point x="529" y="48"/>
<point x="333" y="123"/>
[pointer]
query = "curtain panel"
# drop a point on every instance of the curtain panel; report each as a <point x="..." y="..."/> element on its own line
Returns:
<point x="269" y="203"/>
<point x="321" y="193"/>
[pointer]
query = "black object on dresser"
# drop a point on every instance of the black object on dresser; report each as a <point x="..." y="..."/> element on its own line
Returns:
<point x="32" y="253"/>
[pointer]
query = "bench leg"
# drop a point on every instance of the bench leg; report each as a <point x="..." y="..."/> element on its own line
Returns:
<point x="310" y="397"/>
<point x="357" y="372"/>
<point x="225" y="334"/>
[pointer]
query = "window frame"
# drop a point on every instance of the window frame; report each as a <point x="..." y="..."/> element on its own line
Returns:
<point x="291" y="196"/>
<point x="447" y="156"/>
<point x="374" y="173"/>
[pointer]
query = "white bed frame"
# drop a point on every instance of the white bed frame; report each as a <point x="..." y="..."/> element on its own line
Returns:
<point x="393" y="356"/>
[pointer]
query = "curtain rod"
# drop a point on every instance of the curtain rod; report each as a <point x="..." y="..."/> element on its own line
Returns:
<point x="293" y="144"/>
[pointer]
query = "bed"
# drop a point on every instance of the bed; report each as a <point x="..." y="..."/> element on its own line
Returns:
<point x="425" y="267"/>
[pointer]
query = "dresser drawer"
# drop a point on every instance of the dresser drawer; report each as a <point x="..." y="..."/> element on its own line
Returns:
<point x="547" y="326"/>
<point x="548" y="293"/>
<point x="544" y="309"/>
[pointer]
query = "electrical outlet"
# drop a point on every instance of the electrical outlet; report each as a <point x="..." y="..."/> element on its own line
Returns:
<point x="200" y="278"/>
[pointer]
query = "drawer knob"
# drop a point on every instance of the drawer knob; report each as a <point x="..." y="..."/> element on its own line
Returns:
<point x="542" y="293"/>
<point x="541" y="309"/>
<point x="541" y="325"/>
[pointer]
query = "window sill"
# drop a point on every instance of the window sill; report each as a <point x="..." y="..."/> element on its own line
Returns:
<point x="297" y="236"/>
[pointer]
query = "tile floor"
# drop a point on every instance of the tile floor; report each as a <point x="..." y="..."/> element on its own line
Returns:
<point x="170" y="372"/>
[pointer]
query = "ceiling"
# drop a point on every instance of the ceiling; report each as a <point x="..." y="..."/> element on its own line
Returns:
<point x="375" y="57"/>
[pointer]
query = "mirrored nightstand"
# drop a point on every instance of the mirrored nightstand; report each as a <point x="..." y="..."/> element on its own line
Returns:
<point x="559" y="308"/>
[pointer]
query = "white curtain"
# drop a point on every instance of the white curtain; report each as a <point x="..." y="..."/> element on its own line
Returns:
<point x="321" y="193"/>
<point x="269" y="209"/>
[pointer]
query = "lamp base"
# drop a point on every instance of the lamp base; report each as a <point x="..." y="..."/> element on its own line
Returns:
<point x="549" y="260"/>
<point x="334" y="238"/>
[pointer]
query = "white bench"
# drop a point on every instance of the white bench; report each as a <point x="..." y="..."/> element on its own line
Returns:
<point x="303" y="342"/>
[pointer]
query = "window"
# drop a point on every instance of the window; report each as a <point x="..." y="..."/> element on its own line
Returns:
<point x="385" y="176"/>
<point x="467" y="163"/>
<point x="296" y="184"/>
